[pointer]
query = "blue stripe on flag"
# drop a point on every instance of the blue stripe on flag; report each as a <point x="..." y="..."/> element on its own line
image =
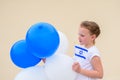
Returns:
<point x="80" y="56"/>
<point x="81" y="48"/>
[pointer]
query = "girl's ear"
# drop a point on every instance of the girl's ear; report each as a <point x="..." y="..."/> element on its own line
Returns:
<point x="93" y="37"/>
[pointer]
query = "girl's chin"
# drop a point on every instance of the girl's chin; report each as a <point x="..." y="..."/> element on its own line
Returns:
<point x="81" y="44"/>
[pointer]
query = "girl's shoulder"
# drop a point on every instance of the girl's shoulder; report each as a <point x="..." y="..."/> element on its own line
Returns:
<point x="93" y="51"/>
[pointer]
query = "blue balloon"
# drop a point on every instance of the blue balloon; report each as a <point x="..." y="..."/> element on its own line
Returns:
<point x="43" y="38"/>
<point x="21" y="55"/>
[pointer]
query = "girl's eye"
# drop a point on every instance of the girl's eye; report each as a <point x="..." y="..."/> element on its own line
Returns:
<point x="82" y="35"/>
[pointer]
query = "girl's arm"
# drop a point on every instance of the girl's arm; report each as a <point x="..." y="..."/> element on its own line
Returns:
<point x="97" y="66"/>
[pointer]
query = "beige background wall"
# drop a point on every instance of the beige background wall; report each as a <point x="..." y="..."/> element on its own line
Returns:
<point x="16" y="16"/>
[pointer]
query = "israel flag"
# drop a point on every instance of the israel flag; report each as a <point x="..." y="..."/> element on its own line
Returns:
<point x="80" y="51"/>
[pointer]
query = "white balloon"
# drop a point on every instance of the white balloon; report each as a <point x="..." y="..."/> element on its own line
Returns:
<point x="32" y="73"/>
<point x="59" y="67"/>
<point x="63" y="46"/>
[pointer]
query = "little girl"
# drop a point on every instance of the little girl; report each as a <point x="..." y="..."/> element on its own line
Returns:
<point x="88" y="65"/>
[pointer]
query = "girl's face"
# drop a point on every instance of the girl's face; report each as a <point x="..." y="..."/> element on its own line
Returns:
<point x="85" y="38"/>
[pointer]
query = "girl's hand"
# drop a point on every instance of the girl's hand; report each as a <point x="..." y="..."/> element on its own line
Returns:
<point x="44" y="60"/>
<point x="76" y="67"/>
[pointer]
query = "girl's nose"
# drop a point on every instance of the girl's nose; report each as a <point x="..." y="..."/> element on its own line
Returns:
<point x="79" y="37"/>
